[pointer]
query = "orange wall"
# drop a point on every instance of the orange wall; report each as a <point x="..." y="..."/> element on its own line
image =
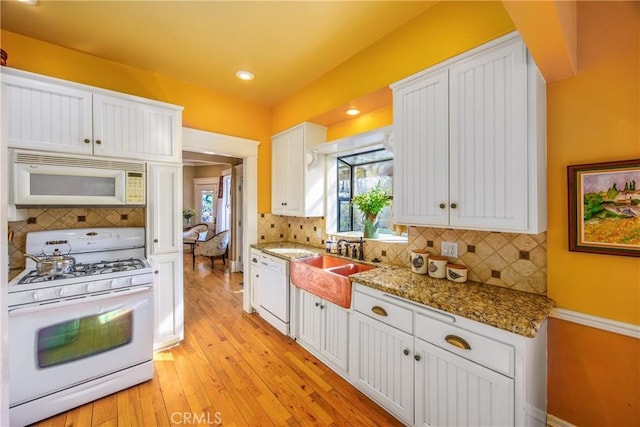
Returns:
<point x="594" y="117"/>
<point x="594" y="376"/>
<point x="203" y="109"/>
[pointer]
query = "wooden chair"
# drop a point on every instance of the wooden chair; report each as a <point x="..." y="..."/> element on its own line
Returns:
<point x="215" y="246"/>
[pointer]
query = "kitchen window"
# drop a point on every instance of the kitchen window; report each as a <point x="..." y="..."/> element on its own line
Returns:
<point x="358" y="173"/>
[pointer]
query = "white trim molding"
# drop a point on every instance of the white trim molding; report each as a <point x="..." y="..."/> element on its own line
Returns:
<point x="614" y="326"/>
<point x="553" y="421"/>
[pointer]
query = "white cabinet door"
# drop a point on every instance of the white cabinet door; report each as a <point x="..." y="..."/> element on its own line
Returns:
<point x="421" y="151"/>
<point x="168" y="300"/>
<point x="255" y="278"/>
<point x="381" y="364"/>
<point x="297" y="177"/>
<point x="335" y="335"/>
<point x="132" y="129"/>
<point x="309" y="320"/>
<point x="453" y="391"/>
<point x="488" y="139"/>
<point x="164" y="204"/>
<point x="288" y="173"/>
<point x="46" y="116"/>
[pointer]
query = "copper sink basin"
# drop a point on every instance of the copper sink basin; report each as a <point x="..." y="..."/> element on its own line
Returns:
<point x="326" y="276"/>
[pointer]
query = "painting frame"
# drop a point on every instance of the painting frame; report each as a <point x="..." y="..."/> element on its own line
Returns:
<point x="603" y="218"/>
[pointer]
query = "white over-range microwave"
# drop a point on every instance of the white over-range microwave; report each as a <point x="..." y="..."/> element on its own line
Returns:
<point x="49" y="180"/>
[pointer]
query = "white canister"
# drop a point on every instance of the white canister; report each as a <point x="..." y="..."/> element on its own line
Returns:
<point x="419" y="259"/>
<point x="457" y="273"/>
<point x="437" y="267"/>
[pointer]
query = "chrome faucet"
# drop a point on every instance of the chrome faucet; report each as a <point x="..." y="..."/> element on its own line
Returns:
<point x="356" y="251"/>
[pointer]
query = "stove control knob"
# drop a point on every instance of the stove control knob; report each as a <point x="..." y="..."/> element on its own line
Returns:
<point x="112" y="284"/>
<point x="35" y="296"/>
<point x="61" y="292"/>
<point x="88" y="287"/>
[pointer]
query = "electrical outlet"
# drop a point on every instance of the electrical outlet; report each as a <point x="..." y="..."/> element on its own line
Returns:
<point x="318" y="232"/>
<point x="449" y="249"/>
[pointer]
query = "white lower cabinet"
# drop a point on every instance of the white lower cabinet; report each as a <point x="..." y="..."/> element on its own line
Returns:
<point x="254" y="278"/>
<point x="453" y="391"/>
<point x="168" y="301"/>
<point x="381" y="364"/>
<point x="322" y="328"/>
<point x="431" y="368"/>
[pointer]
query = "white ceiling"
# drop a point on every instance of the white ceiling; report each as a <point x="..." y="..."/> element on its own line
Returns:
<point x="287" y="44"/>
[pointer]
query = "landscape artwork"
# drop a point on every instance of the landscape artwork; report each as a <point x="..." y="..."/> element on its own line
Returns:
<point x="604" y="207"/>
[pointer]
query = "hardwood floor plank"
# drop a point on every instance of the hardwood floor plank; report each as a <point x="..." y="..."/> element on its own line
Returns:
<point x="233" y="368"/>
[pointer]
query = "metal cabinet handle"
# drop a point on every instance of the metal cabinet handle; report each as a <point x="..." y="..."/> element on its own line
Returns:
<point x="379" y="310"/>
<point x="417" y="357"/>
<point x="406" y="351"/>
<point x="457" y="341"/>
<point x="98" y="142"/>
<point x="442" y="205"/>
<point x="453" y="206"/>
<point x="87" y="140"/>
<point x="155" y="240"/>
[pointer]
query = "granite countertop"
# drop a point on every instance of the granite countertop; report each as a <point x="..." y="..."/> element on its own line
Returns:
<point x="518" y="312"/>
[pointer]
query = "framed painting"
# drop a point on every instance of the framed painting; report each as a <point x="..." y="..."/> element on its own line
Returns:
<point x="604" y="207"/>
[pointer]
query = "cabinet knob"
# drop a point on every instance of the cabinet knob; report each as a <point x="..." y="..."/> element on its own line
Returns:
<point x="442" y="205"/>
<point x="417" y="357"/>
<point x="457" y="341"/>
<point x="453" y="206"/>
<point x="98" y="142"/>
<point x="406" y="351"/>
<point x="317" y="304"/>
<point x="87" y="140"/>
<point x="156" y="272"/>
<point x="155" y="240"/>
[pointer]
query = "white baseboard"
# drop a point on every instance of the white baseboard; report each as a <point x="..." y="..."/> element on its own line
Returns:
<point x="602" y="323"/>
<point x="553" y="421"/>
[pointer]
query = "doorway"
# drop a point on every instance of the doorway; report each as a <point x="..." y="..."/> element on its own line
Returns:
<point x="207" y="143"/>
<point x="205" y="197"/>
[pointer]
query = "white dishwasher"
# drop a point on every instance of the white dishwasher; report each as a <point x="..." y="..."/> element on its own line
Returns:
<point x="274" y="292"/>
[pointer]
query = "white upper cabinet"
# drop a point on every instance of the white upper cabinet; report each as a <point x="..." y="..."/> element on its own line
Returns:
<point x="470" y="142"/>
<point x="297" y="174"/>
<point x="49" y="114"/>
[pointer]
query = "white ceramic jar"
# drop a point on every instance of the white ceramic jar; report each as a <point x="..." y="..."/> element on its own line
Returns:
<point x="419" y="259"/>
<point x="457" y="273"/>
<point x="438" y="267"/>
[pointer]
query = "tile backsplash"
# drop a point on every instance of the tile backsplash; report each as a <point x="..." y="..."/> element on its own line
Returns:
<point x="511" y="260"/>
<point x="59" y="218"/>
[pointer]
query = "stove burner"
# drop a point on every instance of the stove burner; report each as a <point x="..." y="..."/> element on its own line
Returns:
<point x="81" y="270"/>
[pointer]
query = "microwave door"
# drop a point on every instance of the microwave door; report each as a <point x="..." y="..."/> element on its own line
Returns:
<point x="62" y="185"/>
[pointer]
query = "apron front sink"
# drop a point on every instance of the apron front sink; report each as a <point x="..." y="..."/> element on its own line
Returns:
<point x="326" y="276"/>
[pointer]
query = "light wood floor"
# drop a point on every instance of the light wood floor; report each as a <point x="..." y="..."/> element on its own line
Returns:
<point x="232" y="369"/>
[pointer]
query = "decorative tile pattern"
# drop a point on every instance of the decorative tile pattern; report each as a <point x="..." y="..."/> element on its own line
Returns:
<point x="56" y="219"/>
<point x="481" y="251"/>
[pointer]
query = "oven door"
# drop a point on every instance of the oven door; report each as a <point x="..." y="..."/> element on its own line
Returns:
<point x="62" y="344"/>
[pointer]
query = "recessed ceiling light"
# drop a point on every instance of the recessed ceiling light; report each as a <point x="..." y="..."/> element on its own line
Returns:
<point x="30" y="2"/>
<point x="353" y="111"/>
<point x="245" y="75"/>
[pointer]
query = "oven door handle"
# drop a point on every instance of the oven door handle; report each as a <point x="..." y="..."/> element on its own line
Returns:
<point x="72" y="301"/>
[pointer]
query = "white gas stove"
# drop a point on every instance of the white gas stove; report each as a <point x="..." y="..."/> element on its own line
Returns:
<point x="84" y="334"/>
<point x="106" y="258"/>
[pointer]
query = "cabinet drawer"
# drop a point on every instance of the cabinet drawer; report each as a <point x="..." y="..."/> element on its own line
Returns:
<point x="381" y="310"/>
<point x="487" y="352"/>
